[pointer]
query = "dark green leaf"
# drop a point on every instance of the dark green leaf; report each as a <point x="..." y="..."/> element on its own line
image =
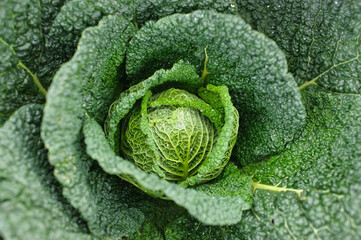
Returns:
<point x="323" y="159"/>
<point x="21" y="44"/>
<point x="111" y="207"/>
<point x="23" y="25"/>
<point x="321" y="215"/>
<point x="77" y="15"/>
<point x="324" y="151"/>
<point x="146" y="10"/>
<point x="31" y="203"/>
<point x="321" y="39"/>
<point x="101" y="75"/>
<point x="49" y="10"/>
<point x="74" y="17"/>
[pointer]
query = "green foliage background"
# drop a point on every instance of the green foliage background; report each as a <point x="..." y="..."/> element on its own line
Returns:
<point x="294" y="73"/>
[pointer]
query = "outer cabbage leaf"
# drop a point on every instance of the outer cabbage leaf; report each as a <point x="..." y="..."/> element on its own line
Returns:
<point x="323" y="159"/>
<point x="146" y="10"/>
<point x="65" y="32"/>
<point x="321" y="39"/>
<point x="23" y="25"/>
<point x="31" y="203"/>
<point x="252" y="67"/>
<point x="102" y="82"/>
<point x="77" y="15"/>
<point x="326" y="149"/>
<point x="49" y="10"/>
<point x="215" y="204"/>
<point x="111" y="207"/>
<point x="20" y="47"/>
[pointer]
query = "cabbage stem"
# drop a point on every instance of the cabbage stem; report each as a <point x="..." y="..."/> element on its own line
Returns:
<point x="256" y="185"/>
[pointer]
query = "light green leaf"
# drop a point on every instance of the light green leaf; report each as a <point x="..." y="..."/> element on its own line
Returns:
<point x="321" y="39"/>
<point x="182" y="75"/>
<point x="251" y="65"/>
<point x="222" y="149"/>
<point x="182" y="98"/>
<point x="140" y="136"/>
<point x="211" y="205"/>
<point x="31" y="203"/>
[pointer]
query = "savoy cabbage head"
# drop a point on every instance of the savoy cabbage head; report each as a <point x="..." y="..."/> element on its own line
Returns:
<point x="148" y="119"/>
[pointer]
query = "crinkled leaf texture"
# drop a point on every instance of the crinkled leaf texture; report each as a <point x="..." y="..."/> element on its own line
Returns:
<point x="321" y="39"/>
<point x="31" y="203"/>
<point x="251" y="65"/>
<point x="23" y="27"/>
<point x="147" y="153"/>
<point x="324" y="159"/>
<point x="181" y="75"/>
<point x="42" y="35"/>
<point x="210" y="206"/>
<point x="112" y="208"/>
<point x="77" y="15"/>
